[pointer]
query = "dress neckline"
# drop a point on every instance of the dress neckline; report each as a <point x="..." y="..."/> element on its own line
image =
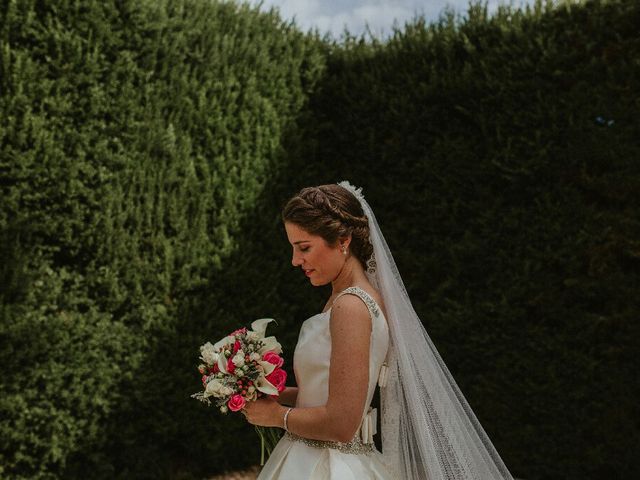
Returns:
<point x="370" y="298"/>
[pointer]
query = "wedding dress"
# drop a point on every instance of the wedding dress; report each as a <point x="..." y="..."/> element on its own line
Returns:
<point x="297" y="458"/>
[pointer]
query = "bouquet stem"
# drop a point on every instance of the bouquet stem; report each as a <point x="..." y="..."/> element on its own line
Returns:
<point x="269" y="437"/>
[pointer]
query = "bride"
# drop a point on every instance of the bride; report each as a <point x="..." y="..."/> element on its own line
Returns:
<point x="367" y="335"/>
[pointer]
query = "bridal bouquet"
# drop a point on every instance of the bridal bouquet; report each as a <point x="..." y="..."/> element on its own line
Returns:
<point x="242" y="367"/>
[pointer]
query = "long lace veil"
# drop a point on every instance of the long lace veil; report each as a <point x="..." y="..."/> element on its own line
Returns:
<point x="429" y="432"/>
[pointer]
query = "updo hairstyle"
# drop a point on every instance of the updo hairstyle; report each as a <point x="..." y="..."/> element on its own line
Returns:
<point x="331" y="212"/>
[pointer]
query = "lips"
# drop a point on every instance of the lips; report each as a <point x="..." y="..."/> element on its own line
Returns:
<point x="308" y="272"/>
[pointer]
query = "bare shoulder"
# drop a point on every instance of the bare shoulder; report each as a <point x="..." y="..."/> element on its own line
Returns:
<point x="349" y="311"/>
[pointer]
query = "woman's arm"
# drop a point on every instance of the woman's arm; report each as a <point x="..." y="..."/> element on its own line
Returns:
<point x="288" y="396"/>
<point x="339" y="419"/>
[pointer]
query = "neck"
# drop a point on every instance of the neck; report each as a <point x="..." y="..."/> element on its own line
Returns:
<point x="351" y="274"/>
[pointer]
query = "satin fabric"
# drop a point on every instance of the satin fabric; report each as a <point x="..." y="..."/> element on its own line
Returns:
<point x="294" y="460"/>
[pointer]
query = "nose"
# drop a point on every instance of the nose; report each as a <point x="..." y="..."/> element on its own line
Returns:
<point x="295" y="259"/>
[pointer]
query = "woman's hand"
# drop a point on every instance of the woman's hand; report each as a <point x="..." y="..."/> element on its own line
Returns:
<point x="266" y="412"/>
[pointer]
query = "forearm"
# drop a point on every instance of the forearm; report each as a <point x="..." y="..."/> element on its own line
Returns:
<point x="320" y="423"/>
<point x="288" y="396"/>
<point x="329" y="423"/>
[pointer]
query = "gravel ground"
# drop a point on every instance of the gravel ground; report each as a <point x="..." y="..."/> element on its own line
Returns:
<point x="249" y="474"/>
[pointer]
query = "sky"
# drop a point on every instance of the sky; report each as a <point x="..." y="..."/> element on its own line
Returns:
<point x="333" y="15"/>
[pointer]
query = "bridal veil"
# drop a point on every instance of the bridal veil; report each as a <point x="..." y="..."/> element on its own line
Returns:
<point x="428" y="430"/>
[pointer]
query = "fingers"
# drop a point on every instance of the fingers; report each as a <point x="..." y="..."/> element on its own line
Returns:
<point x="245" y="413"/>
<point x="246" y="417"/>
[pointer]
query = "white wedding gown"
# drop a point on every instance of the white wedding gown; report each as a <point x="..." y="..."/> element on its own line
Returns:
<point x="296" y="458"/>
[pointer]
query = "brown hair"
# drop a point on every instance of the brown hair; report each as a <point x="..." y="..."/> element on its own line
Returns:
<point x="331" y="212"/>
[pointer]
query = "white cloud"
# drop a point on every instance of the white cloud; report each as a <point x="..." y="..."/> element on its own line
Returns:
<point x="333" y="15"/>
<point x="379" y="18"/>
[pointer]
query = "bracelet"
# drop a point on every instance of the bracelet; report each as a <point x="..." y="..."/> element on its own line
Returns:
<point x="286" y="414"/>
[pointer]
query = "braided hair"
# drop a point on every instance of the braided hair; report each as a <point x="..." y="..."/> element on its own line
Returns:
<point x="331" y="212"/>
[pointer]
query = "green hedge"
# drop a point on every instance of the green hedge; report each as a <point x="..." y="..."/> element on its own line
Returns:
<point x="135" y="138"/>
<point x="146" y="149"/>
<point x="501" y="157"/>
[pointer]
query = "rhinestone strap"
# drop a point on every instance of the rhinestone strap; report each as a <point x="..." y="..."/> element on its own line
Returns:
<point x="355" y="446"/>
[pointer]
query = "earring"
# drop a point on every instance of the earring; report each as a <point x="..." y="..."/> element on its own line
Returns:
<point x="344" y="250"/>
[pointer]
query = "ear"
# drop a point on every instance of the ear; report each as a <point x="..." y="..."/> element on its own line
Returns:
<point x="344" y="242"/>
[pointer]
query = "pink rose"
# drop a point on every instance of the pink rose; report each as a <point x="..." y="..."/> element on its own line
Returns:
<point x="236" y="346"/>
<point x="273" y="358"/>
<point x="230" y="366"/>
<point x="236" y="403"/>
<point x="277" y="378"/>
<point x="204" y="379"/>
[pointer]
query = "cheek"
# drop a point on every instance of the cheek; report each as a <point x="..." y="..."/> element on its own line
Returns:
<point x="323" y="260"/>
<point x="310" y="259"/>
<point x="315" y="260"/>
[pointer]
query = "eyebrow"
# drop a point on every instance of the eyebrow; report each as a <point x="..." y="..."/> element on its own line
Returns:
<point x="301" y="241"/>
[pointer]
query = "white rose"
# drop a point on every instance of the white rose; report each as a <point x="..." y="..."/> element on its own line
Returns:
<point x="238" y="359"/>
<point x="208" y="354"/>
<point x="214" y="388"/>
<point x="224" y="409"/>
<point x="255" y="356"/>
<point x="255" y="336"/>
<point x="251" y="389"/>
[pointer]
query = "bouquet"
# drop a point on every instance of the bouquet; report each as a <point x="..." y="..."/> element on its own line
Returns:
<point x="243" y="367"/>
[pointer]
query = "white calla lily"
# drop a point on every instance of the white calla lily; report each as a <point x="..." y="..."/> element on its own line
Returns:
<point x="270" y="345"/>
<point x="260" y="326"/>
<point x="228" y="340"/>
<point x="265" y="386"/>
<point x="266" y="366"/>
<point x="222" y="363"/>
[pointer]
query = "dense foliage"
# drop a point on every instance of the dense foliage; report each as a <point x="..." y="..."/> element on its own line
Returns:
<point x="135" y="138"/>
<point x="146" y="149"/>
<point x="501" y="157"/>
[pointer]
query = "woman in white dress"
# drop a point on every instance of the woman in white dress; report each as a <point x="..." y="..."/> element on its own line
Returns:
<point x="367" y="334"/>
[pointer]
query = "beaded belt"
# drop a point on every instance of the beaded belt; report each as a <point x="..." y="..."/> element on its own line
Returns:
<point x="355" y="446"/>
